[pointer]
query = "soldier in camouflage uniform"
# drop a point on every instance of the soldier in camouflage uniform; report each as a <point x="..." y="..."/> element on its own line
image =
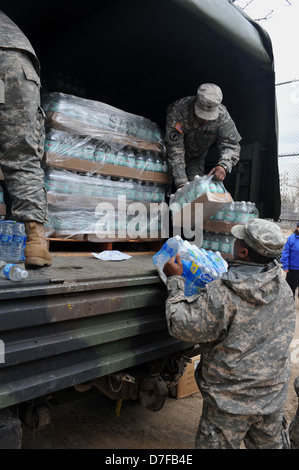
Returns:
<point x="22" y="137"/>
<point x="244" y="323"/>
<point x="193" y="124"/>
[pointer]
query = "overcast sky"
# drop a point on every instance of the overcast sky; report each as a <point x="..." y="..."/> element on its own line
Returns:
<point x="283" y="28"/>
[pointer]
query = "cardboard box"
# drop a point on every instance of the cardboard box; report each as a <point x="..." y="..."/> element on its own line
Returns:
<point x="63" y="162"/>
<point x="211" y="203"/>
<point x="187" y="385"/>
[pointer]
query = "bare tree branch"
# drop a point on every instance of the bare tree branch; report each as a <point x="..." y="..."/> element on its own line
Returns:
<point x="265" y="17"/>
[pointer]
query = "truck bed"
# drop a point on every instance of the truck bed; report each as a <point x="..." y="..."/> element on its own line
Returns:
<point x="80" y="319"/>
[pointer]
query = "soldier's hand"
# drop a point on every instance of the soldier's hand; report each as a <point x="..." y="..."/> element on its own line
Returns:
<point x="219" y="172"/>
<point x="174" y="267"/>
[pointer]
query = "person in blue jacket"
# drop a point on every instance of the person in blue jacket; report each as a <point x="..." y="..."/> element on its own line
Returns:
<point x="290" y="260"/>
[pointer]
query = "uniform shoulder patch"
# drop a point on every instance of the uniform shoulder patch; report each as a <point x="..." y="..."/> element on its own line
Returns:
<point x="173" y="135"/>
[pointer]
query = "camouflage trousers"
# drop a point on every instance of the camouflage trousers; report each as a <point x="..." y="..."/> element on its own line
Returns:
<point x="221" y="430"/>
<point x="294" y="426"/>
<point x="22" y="134"/>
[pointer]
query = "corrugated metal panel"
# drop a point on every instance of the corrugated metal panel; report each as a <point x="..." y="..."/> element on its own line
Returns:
<point x="56" y="337"/>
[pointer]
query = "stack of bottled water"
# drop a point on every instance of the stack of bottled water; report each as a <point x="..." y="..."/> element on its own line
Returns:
<point x="238" y="212"/>
<point x="95" y="116"/>
<point x="12" y="241"/>
<point x="194" y="189"/>
<point x="217" y="241"/>
<point x="200" y="266"/>
<point x="60" y="143"/>
<point x="68" y="183"/>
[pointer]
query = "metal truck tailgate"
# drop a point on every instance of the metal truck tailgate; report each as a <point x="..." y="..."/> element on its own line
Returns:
<point x="79" y="319"/>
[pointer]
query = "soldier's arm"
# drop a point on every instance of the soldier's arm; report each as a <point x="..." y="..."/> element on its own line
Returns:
<point x="228" y="145"/>
<point x="174" y="139"/>
<point x="199" y="318"/>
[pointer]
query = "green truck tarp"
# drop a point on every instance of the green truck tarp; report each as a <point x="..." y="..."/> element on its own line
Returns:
<point x="140" y="56"/>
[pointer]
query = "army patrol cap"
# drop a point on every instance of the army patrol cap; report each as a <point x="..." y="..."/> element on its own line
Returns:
<point x="208" y="98"/>
<point x="262" y="236"/>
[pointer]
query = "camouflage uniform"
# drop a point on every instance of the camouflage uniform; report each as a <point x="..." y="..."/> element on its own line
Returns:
<point x="22" y="124"/>
<point x="188" y="143"/>
<point x="244" y="323"/>
<point x="294" y="426"/>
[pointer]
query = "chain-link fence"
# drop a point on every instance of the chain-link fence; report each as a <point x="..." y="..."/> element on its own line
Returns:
<point x="287" y="94"/>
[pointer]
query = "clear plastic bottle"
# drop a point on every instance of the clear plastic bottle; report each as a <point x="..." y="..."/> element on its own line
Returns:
<point x="165" y="168"/>
<point x="120" y="158"/>
<point x="130" y="157"/>
<point x="6" y="240"/>
<point x="229" y="213"/>
<point x="215" y="242"/>
<point x="18" y="242"/>
<point x="157" y="163"/>
<point x="100" y="154"/>
<point x="139" y="191"/>
<point x="240" y="212"/>
<point x="14" y="272"/>
<point x="170" y="248"/>
<point x="149" y="162"/>
<point x="140" y="161"/>
<point x="255" y="212"/>
<point x="180" y="197"/>
<point x="225" y="243"/>
<point x="147" y="192"/>
<point x="206" y="240"/>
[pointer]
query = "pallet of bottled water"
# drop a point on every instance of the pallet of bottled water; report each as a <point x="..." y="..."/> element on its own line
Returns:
<point x="200" y="266"/>
<point x="12" y="241"/>
<point x="92" y="156"/>
<point x="92" y="116"/>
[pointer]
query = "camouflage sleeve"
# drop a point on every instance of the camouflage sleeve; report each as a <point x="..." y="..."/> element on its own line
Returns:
<point x="199" y="318"/>
<point x="228" y="145"/>
<point x="174" y="140"/>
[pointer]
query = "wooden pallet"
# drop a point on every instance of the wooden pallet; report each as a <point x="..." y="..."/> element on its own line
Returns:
<point x="74" y="247"/>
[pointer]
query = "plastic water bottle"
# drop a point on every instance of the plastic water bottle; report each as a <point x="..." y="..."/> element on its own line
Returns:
<point x="164" y="164"/>
<point x="206" y="241"/>
<point x="139" y="191"/>
<point x="110" y="156"/>
<point x="215" y="242"/>
<point x="225" y="243"/>
<point x="18" y="243"/>
<point x="149" y="162"/>
<point x="180" y="197"/>
<point x="100" y="155"/>
<point x="14" y="272"/>
<point x="157" y="163"/>
<point x="170" y="248"/>
<point x="240" y="212"/>
<point x="6" y="240"/>
<point x="130" y="157"/>
<point x="140" y="161"/>
<point x="229" y="213"/>
<point x="252" y="210"/>
<point x="120" y="158"/>
<point x="188" y="192"/>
